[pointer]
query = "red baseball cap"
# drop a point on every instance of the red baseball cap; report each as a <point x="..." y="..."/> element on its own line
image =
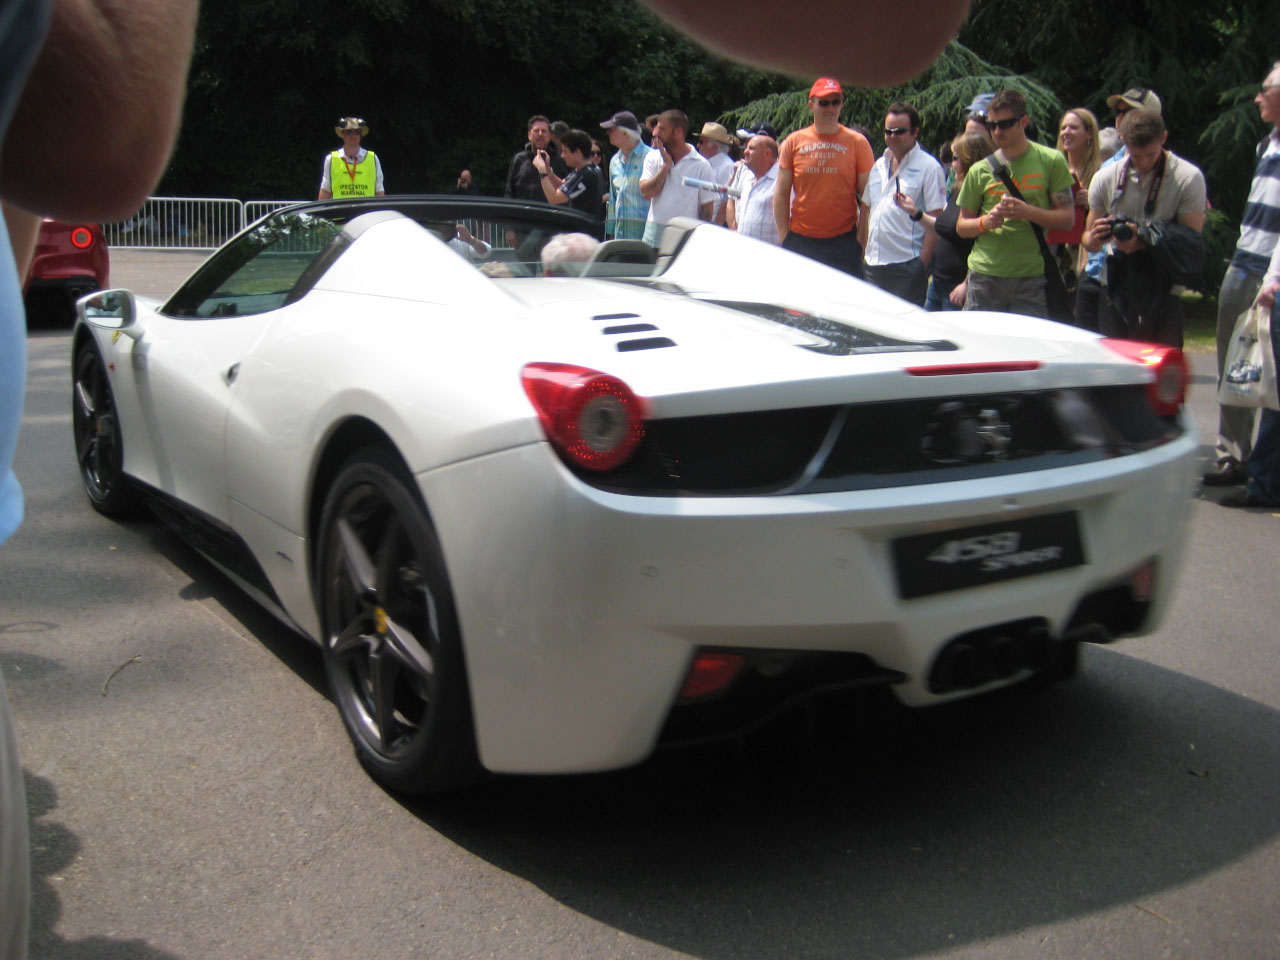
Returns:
<point x="824" y="85"/>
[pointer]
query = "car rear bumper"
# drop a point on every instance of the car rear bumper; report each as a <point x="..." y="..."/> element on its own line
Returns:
<point x="581" y="609"/>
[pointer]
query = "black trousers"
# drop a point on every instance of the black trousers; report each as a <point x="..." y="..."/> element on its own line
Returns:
<point x="842" y="251"/>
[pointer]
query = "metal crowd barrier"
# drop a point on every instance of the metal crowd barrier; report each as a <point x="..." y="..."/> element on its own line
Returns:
<point x="187" y="223"/>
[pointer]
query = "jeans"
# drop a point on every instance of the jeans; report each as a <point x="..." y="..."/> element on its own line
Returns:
<point x="842" y="251"/>
<point x="1263" y="465"/>
<point x="935" y="301"/>
<point x="906" y="279"/>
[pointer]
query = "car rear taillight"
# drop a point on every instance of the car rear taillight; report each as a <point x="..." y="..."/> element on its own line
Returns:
<point x="592" y="418"/>
<point x="81" y="238"/>
<point x="1169" y="388"/>
<point x="711" y="672"/>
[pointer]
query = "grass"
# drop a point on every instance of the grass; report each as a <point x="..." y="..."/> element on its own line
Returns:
<point x="1200" y="322"/>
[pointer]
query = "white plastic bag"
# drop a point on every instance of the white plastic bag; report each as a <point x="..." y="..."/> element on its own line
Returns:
<point x="1249" y="371"/>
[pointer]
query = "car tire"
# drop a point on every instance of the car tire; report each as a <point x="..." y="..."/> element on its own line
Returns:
<point x="392" y="648"/>
<point x="99" y="444"/>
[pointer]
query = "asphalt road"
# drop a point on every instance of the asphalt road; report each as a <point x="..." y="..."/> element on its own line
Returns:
<point x="193" y="794"/>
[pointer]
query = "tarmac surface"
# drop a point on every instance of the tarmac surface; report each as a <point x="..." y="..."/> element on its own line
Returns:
<point x="193" y="795"/>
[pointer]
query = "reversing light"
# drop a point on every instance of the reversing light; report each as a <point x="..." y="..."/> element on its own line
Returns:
<point x="710" y="672"/>
<point x="81" y="238"/>
<point x="592" y="418"/>
<point x="1168" y="388"/>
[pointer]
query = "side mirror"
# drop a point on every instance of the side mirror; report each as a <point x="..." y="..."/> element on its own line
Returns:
<point x="110" y="310"/>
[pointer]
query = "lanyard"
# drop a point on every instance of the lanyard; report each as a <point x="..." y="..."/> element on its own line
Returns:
<point x="351" y="166"/>
<point x="1152" y="192"/>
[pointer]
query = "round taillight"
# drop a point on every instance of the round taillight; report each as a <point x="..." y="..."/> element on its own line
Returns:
<point x="1168" y="387"/>
<point x="81" y="238"/>
<point x="592" y="418"/>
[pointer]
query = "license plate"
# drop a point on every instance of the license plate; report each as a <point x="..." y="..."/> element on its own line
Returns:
<point x="959" y="559"/>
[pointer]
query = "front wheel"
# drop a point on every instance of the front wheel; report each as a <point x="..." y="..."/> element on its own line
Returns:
<point x="99" y="445"/>
<point x="393" y="652"/>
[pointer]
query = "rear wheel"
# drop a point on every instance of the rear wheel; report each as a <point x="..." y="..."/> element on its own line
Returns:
<point x="393" y="653"/>
<point x="99" y="446"/>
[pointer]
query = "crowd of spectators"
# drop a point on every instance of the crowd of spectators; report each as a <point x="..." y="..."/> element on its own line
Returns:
<point x="946" y="230"/>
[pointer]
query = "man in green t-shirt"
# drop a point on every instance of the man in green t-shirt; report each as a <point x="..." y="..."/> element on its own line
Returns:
<point x="1006" y="269"/>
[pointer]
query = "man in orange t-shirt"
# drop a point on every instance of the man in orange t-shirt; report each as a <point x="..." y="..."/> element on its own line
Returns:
<point x="827" y="165"/>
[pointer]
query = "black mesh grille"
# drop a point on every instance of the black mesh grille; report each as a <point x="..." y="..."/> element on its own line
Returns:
<point x="867" y="446"/>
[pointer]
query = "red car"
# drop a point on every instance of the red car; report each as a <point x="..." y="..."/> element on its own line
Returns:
<point x="70" y="260"/>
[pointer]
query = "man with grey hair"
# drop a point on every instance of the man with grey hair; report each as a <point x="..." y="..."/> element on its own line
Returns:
<point x="565" y="253"/>
<point x="716" y="144"/>
<point x="1259" y="232"/>
<point x="628" y="210"/>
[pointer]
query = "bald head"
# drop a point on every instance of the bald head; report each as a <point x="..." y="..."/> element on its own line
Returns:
<point x="761" y="154"/>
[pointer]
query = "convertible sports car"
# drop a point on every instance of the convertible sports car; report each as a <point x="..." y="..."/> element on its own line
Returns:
<point x="548" y="516"/>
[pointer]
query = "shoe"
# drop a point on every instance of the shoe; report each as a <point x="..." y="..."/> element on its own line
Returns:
<point x="1226" y="474"/>
<point x="1243" y="498"/>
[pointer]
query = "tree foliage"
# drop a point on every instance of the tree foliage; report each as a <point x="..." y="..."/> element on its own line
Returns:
<point x="442" y="84"/>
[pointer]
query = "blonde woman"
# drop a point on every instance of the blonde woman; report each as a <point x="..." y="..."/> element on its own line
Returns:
<point x="1078" y="140"/>
<point x="949" y="268"/>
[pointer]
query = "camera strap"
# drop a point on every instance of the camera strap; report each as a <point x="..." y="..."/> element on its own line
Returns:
<point x="1153" y="191"/>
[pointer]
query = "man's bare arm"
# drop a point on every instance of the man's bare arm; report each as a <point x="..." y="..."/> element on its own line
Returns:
<point x="94" y="151"/>
<point x="782" y="203"/>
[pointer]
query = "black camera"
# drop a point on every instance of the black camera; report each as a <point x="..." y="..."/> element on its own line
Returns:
<point x="1122" y="228"/>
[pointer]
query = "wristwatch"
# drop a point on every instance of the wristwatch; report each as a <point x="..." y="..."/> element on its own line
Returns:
<point x="917" y="216"/>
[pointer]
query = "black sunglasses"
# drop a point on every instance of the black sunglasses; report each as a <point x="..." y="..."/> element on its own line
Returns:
<point x="896" y="131"/>
<point x="833" y="102"/>
<point x="1002" y="124"/>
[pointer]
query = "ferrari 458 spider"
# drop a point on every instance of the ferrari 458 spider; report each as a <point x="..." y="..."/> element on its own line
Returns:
<point x="545" y="513"/>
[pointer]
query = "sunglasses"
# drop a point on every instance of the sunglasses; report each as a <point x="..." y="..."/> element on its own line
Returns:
<point x="896" y="131"/>
<point x="596" y="153"/>
<point x="832" y="102"/>
<point x="1002" y="124"/>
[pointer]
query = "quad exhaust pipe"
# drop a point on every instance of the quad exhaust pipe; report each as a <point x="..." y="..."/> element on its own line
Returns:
<point x="1000" y="652"/>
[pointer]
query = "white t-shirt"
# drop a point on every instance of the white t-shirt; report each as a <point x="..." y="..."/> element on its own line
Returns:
<point x="675" y="199"/>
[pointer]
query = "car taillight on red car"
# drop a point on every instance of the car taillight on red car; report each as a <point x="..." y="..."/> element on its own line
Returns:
<point x="81" y="238"/>
<point x="592" y="418"/>
<point x="1169" y="388"/>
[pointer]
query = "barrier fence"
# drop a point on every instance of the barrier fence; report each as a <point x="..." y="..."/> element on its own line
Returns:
<point x="205" y="223"/>
<point x="188" y="223"/>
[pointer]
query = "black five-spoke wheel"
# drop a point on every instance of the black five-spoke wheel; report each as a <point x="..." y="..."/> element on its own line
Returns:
<point x="392" y="649"/>
<point x="99" y="449"/>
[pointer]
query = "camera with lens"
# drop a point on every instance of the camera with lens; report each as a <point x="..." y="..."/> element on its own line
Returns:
<point x="1122" y="228"/>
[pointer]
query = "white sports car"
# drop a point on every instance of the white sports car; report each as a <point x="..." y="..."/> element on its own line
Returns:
<point x="546" y="516"/>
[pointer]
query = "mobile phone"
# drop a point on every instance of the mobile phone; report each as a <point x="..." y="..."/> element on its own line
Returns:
<point x="897" y="184"/>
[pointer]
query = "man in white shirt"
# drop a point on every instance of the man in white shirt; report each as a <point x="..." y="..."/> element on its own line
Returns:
<point x="752" y="213"/>
<point x="897" y="248"/>
<point x="662" y="179"/>
<point x="715" y="143"/>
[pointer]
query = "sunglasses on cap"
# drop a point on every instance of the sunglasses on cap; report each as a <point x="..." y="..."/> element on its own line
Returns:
<point x="830" y="102"/>
<point x="1002" y="124"/>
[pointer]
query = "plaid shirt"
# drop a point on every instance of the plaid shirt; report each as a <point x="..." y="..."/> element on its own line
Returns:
<point x="628" y="211"/>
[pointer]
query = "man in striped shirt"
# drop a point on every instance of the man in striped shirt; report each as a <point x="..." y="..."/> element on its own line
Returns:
<point x="1259" y="230"/>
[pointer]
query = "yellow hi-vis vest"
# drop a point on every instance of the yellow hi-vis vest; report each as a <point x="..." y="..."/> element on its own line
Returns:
<point x="352" y="180"/>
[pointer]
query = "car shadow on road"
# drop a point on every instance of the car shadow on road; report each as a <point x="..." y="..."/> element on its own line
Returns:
<point x="930" y="830"/>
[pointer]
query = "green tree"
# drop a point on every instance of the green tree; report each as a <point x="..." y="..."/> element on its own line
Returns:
<point x="441" y="84"/>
